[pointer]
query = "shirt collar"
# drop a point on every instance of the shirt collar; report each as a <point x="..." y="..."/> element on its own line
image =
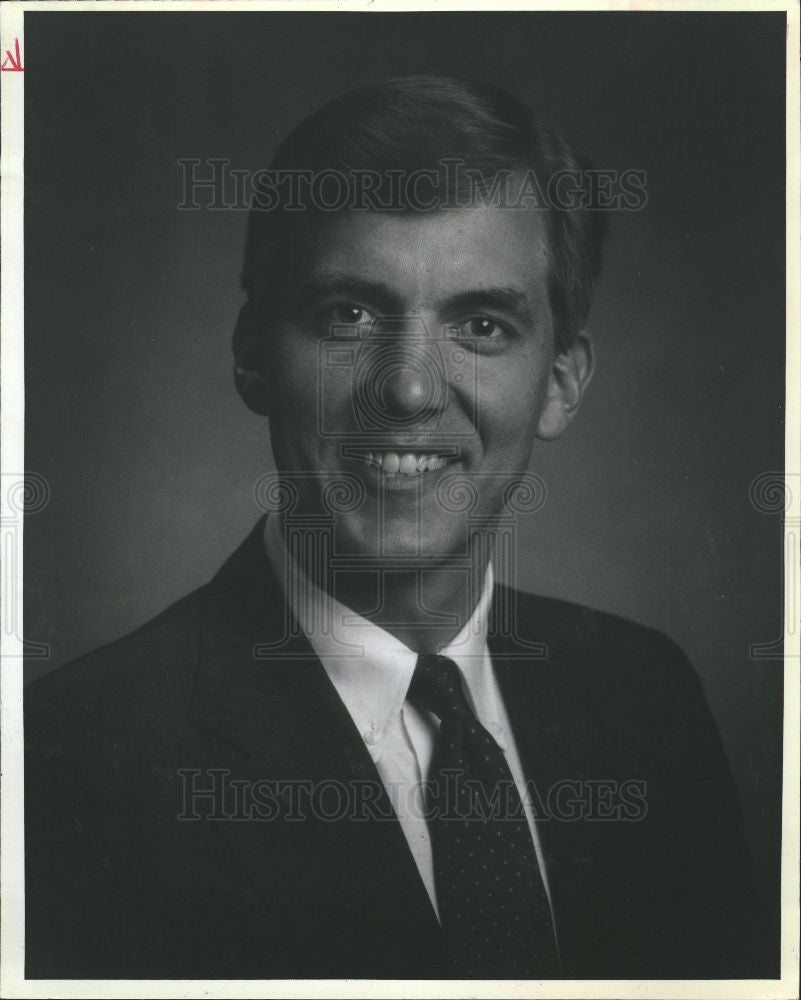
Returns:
<point x="370" y="668"/>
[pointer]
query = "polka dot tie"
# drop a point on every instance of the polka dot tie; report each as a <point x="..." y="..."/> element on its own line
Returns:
<point x="494" y="911"/>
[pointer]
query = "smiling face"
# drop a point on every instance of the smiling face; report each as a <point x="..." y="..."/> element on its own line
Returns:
<point x="414" y="349"/>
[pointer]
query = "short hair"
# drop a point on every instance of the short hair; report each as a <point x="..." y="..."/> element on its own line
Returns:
<point x="415" y="124"/>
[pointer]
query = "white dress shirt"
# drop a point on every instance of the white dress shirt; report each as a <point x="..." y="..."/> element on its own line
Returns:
<point x="371" y="671"/>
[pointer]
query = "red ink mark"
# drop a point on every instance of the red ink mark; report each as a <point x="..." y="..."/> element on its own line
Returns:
<point x="13" y="62"/>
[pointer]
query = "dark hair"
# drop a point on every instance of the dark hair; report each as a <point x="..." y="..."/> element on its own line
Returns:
<point x="415" y="124"/>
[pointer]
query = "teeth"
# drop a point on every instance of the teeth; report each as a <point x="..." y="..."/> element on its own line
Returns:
<point x="408" y="464"/>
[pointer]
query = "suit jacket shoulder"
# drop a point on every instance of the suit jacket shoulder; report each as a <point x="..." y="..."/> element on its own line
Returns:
<point x="96" y="689"/>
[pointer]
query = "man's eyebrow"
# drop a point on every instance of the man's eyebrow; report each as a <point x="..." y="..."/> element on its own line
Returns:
<point x="506" y="299"/>
<point x="326" y="283"/>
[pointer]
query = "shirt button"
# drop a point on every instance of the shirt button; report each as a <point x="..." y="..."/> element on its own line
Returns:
<point x="371" y="735"/>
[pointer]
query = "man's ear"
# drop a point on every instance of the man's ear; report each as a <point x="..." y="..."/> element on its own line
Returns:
<point x="248" y="344"/>
<point x="571" y="374"/>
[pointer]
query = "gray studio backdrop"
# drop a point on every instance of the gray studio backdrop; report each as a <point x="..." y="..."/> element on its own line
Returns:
<point x="150" y="456"/>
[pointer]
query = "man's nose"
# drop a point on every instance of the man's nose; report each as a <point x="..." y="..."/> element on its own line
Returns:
<point x="408" y="387"/>
<point x="403" y="383"/>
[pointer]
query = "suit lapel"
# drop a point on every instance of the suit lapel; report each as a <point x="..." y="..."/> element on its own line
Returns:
<point x="278" y="718"/>
<point x="537" y="699"/>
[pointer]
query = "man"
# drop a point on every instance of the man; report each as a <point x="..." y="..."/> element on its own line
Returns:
<point x="353" y="753"/>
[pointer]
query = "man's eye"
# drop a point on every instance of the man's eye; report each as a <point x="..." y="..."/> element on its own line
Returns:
<point x="350" y="314"/>
<point x="481" y="328"/>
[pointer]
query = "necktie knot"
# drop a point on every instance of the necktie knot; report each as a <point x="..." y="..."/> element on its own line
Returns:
<point x="436" y="686"/>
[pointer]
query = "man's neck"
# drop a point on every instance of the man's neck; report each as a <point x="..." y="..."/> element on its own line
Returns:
<point x="425" y="606"/>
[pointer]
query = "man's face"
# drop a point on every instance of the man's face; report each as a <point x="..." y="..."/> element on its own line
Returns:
<point x="412" y="350"/>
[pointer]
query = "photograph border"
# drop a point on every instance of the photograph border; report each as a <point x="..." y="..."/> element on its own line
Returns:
<point x="17" y="489"/>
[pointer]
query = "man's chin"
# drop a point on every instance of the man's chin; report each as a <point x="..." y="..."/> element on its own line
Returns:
<point x="425" y="544"/>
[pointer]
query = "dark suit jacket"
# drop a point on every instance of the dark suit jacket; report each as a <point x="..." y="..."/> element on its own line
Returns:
<point x="120" y="883"/>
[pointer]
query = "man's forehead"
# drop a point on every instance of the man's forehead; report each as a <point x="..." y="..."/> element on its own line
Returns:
<point x="431" y="255"/>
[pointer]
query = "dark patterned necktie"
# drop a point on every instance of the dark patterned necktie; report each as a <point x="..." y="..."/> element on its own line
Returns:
<point x="493" y="908"/>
